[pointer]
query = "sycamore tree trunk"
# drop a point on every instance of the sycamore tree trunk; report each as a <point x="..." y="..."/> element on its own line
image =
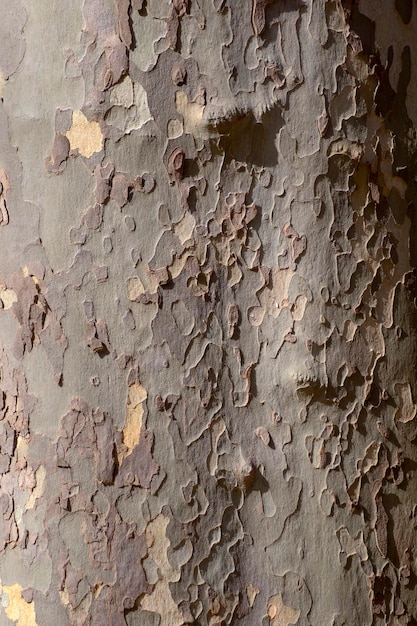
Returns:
<point x="208" y="322"/>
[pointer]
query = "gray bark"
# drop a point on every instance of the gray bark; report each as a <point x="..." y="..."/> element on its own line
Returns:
<point x="208" y="324"/>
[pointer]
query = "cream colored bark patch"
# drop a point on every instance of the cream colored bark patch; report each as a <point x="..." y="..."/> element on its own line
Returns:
<point x="40" y="475"/>
<point x="251" y="593"/>
<point x="25" y="271"/>
<point x="134" y="415"/>
<point x="191" y="112"/>
<point x="18" y="610"/>
<point x="135" y="288"/>
<point x="280" y="614"/>
<point x="7" y="296"/>
<point x="145" y="282"/>
<point x="160" y="600"/>
<point x="275" y="297"/>
<point x="184" y="229"/>
<point x="84" y="136"/>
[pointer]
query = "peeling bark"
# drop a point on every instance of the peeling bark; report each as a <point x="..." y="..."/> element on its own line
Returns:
<point x="208" y="334"/>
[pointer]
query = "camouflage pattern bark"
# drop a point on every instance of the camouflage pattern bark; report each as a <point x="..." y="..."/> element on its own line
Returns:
<point x="208" y="323"/>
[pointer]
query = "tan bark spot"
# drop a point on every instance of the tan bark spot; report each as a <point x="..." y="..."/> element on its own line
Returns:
<point x="160" y="600"/>
<point x="135" y="288"/>
<point x="134" y="416"/>
<point x="275" y="297"/>
<point x="84" y="136"/>
<point x="184" y="229"/>
<point x="18" y="610"/>
<point x="251" y="593"/>
<point x="191" y="112"/>
<point x="7" y="296"/>
<point x="280" y="614"/>
<point x="80" y="614"/>
<point x="40" y="475"/>
<point x="26" y="274"/>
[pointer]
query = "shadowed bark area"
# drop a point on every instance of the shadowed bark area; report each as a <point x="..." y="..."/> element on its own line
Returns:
<point x="208" y="312"/>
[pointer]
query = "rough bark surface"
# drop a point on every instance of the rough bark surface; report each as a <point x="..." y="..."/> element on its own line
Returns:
<point x="208" y="323"/>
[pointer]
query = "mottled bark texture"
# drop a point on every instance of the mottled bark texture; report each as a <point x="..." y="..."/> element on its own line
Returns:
<point x="208" y="323"/>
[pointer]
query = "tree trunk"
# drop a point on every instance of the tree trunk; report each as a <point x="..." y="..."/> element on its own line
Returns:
<point x="208" y="324"/>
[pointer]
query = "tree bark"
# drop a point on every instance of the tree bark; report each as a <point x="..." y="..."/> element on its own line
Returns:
<point x="208" y="324"/>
